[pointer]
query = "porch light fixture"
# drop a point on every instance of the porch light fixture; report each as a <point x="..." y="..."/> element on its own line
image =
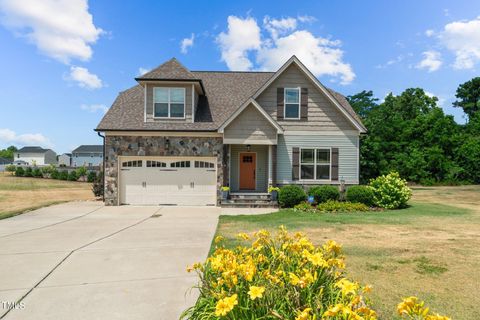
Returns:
<point x="249" y="147"/>
<point x="167" y="144"/>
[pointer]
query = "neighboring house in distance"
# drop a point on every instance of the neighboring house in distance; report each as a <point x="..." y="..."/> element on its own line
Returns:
<point x="65" y="160"/>
<point x="36" y="156"/>
<point x="4" y="161"/>
<point x="87" y="155"/>
<point x="179" y="136"/>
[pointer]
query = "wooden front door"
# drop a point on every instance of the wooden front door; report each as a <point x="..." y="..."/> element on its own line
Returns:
<point x="248" y="163"/>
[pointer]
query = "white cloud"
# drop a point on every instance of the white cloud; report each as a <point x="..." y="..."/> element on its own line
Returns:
<point x="306" y="19"/>
<point x="429" y="32"/>
<point x="10" y="137"/>
<point x="94" y="108"/>
<point x="142" y="71"/>
<point x="84" y="78"/>
<point x="243" y="35"/>
<point x="281" y="40"/>
<point x="463" y="39"/>
<point x="431" y="61"/>
<point x="61" y="29"/>
<point x="187" y="43"/>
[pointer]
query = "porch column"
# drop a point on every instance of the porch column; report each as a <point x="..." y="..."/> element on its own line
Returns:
<point x="226" y="165"/>
<point x="273" y="151"/>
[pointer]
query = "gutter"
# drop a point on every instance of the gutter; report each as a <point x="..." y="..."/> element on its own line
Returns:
<point x="104" y="155"/>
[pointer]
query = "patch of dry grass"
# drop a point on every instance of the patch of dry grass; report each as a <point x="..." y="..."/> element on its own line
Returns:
<point x="19" y="194"/>
<point x="435" y="257"/>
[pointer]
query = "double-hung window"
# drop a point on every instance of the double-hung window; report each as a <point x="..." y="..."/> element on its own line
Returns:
<point x="315" y="164"/>
<point x="292" y="103"/>
<point x="169" y="102"/>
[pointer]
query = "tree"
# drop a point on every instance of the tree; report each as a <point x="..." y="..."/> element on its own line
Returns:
<point x="468" y="97"/>
<point x="8" y="153"/>
<point x="363" y="103"/>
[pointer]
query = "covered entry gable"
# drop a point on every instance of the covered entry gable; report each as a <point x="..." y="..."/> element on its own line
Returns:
<point x="250" y="124"/>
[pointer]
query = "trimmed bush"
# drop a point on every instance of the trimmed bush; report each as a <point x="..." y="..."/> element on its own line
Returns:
<point x="72" y="176"/>
<point x="37" y="173"/>
<point x="97" y="186"/>
<point x="54" y="174"/>
<point x="337" y="206"/>
<point x="324" y="193"/>
<point x="91" y="176"/>
<point x="63" y="175"/>
<point x="361" y="194"/>
<point x="19" y="171"/>
<point x="291" y="195"/>
<point x="28" y="172"/>
<point x="390" y="191"/>
<point x="10" y="168"/>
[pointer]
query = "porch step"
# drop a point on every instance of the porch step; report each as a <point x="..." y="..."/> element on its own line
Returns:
<point x="249" y="200"/>
<point x="251" y="204"/>
<point x="254" y="196"/>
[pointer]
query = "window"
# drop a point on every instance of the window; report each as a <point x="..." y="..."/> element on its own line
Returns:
<point x="169" y="102"/>
<point x="204" y="164"/>
<point x="247" y="159"/>
<point x="180" y="164"/>
<point x="315" y="164"/>
<point x="134" y="163"/>
<point x="292" y="103"/>
<point x="155" y="164"/>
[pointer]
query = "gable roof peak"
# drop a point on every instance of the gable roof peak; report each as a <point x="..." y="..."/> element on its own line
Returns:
<point x="169" y="70"/>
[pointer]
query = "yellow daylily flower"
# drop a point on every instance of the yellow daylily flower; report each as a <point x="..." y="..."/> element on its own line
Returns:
<point x="256" y="292"/>
<point x="304" y="315"/>
<point x="226" y="305"/>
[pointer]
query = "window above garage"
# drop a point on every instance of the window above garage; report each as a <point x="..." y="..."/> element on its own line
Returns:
<point x="168" y="103"/>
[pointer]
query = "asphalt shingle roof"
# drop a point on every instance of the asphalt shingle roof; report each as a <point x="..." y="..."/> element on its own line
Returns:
<point x="33" y="149"/>
<point x="86" y="148"/>
<point x="225" y="91"/>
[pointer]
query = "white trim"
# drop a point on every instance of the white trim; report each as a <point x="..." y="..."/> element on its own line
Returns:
<point x="258" y="107"/>
<point x="256" y="169"/>
<point x="314" y="164"/>
<point x="145" y="104"/>
<point x="358" y="158"/>
<point x="285" y="103"/>
<point x="230" y="166"/>
<point x="320" y="86"/>
<point x="247" y="141"/>
<point x="169" y="103"/>
<point x="164" y="134"/>
<point x="193" y="103"/>
<point x="269" y="165"/>
<point x="322" y="133"/>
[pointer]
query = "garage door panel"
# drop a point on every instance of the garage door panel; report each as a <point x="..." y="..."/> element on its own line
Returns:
<point x="170" y="181"/>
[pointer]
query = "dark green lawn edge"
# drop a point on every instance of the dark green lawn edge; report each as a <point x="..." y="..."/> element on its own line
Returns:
<point x="10" y="214"/>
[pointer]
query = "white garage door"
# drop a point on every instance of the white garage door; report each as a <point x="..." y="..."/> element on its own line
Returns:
<point x="168" y="181"/>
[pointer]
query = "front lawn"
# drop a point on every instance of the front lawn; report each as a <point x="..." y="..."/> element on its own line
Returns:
<point x="19" y="194"/>
<point x="431" y="249"/>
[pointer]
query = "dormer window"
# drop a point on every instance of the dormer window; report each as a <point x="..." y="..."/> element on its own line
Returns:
<point x="169" y="103"/>
<point x="292" y="103"/>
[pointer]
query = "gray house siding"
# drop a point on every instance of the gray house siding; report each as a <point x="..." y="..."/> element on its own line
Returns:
<point x="250" y="127"/>
<point x="188" y="102"/>
<point x="261" y="171"/>
<point x="81" y="159"/>
<point x="347" y="160"/>
<point x="322" y="113"/>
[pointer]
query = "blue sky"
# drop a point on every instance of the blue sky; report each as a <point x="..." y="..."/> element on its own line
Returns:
<point x="64" y="61"/>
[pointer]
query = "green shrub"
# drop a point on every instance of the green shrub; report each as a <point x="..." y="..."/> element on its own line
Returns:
<point x="91" y="176"/>
<point x="97" y="186"/>
<point x="72" y="176"/>
<point x="390" y="191"/>
<point x="37" y="173"/>
<point x="361" y="194"/>
<point x="291" y="195"/>
<point x="63" y="175"/>
<point x="81" y="172"/>
<point x="304" y="207"/>
<point x="28" y="172"/>
<point x="337" y="206"/>
<point x="324" y="193"/>
<point x="19" y="171"/>
<point x="10" y="168"/>
<point x="54" y="174"/>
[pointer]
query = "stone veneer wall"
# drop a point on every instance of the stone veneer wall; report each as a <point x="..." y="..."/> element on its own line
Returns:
<point x="116" y="146"/>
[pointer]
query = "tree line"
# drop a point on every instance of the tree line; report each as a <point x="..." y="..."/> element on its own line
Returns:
<point x="409" y="133"/>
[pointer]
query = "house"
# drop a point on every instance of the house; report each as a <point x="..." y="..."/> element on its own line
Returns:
<point x="35" y="156"/>
<point x="87" y="155"/>
<point x="65" y="160"/>
<point x="178" y="136"/>
<point x="5" y="161"/>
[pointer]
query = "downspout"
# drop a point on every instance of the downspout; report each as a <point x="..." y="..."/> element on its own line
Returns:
<point x="103" y="175"/>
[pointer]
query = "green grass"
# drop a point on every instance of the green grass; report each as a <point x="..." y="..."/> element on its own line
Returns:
<point x="293" y="220"/>
<point x="11" y="183"/>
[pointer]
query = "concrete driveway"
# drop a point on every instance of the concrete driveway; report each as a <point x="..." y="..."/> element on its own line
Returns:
<point x="86" y="261"/>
